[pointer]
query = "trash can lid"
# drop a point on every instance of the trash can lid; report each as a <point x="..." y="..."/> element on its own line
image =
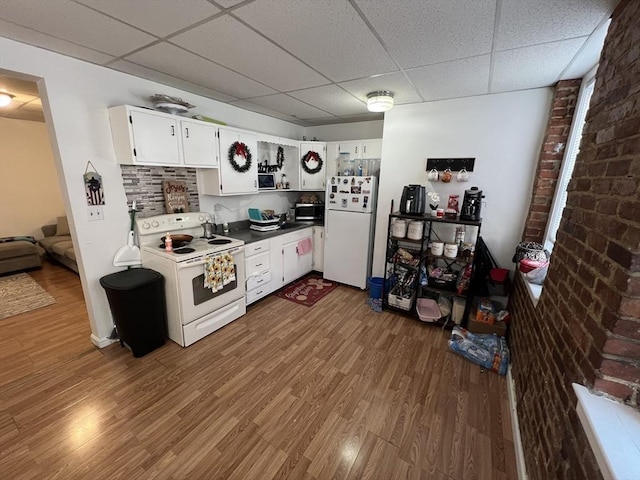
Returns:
<point x="128" y="279"/>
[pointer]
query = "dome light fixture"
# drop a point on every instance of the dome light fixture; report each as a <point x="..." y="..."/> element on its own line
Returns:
<point x="380" y="101"/>
<point x="5" y="99"/>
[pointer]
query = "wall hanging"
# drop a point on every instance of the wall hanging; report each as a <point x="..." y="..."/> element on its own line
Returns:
<point x="176" y="197"/>
<point x="93" y="186"/>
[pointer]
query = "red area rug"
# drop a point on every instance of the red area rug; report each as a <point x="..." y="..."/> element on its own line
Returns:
<point x="308" y="290"/>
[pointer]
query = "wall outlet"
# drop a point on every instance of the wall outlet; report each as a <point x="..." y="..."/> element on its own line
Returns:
<point x="95" y="213"/>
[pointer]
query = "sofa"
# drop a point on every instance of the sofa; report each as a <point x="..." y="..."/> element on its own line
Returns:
<point x="18" y="254"/>
<point x="58" y="245"/>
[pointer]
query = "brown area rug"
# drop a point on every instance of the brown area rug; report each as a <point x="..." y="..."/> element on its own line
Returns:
<point x="308" y="290"/>
<point x="20" y="293"/>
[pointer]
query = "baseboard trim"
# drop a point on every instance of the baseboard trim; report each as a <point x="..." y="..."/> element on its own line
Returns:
<point x="515" y="427"/>
<point x="102" y="342"/>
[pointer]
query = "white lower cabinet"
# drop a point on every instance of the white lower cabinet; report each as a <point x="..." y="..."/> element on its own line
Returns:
<point x="294" y="263"/>
<point x="257" y="262"/>
<point x="318" y="248"/>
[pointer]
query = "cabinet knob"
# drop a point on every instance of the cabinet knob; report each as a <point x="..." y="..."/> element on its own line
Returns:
<point x="186" y="133"/>
<point x="173" y="131"/>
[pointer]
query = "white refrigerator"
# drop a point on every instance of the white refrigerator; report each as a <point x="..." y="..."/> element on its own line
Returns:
<point x="349" y="229"/>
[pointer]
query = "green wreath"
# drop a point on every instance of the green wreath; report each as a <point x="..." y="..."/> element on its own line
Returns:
<point x="311" y="155"/>
<point x="241" y="150"/>
<point x="280" y="158"/>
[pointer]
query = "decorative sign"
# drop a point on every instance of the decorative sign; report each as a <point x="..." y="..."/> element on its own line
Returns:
<point x="176" y="198"/>
<point x="93" y="186"/>
<point x="453" y="164"/>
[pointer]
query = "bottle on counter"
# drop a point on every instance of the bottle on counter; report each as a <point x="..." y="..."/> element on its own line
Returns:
<point x="168" y="243"/>
<point x="225" y="227"/>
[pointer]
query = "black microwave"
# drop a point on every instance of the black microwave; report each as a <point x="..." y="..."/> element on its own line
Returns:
<point x="266" y="181"/>
<point x="309" y="211"/>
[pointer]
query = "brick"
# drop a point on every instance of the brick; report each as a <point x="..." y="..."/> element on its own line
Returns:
<point x="619" y="254"/>
<point x="628" y="328"/>
<point x="630" y="307"/>
<point x="622" y="348"/>
<point x="624" y="187"/>
<point x="615" y="389"/>
<point x="621" y="371"/>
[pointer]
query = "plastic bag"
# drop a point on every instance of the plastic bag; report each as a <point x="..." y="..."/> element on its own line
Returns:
<point x="537" y="275"/>
<point x="487" y="350"/>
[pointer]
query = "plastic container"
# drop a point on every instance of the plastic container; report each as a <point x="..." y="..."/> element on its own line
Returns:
<point x="458" y="310"/>
<point x="137" y="302"/>
<point x="414" y="231"/>
<point x="376" y="285"/>
<point x="399" y="228"/>
<point x="428" y="310"/>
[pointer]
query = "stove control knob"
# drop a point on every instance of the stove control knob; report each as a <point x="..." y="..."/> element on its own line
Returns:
<point x="155" y="223"/>
<point x="146" y="225"/>
<point x="201" y="218"/>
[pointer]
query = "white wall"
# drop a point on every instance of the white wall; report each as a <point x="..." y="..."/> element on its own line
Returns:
<point x="345" y="131"/>
<point x="76" y="96"/>
<point x="29" y="192"/>
<point x="234" y="208"/>
<point x="502" y="131"/>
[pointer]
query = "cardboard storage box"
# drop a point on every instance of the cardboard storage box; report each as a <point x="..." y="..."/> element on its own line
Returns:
<point x="499" y="328"/>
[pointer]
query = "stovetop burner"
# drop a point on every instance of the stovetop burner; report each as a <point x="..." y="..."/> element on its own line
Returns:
<point x="219" y="241"/>
<point x="184" y="250"/>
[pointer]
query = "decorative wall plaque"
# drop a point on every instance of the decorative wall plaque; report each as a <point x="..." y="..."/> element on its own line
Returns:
<point x="176" y="198"/>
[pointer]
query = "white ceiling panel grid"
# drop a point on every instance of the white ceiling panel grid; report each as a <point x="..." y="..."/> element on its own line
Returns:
<point x="329" y="35"/>
<point x="419" y="32"/>
<point x="158" y="17"/>
<point x="313" y="62"/>
<point x="75" y="23"/>
<point x="228" y="42"/>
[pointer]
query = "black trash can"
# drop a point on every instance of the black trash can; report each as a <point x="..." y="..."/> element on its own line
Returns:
<point x="137" y="302"/>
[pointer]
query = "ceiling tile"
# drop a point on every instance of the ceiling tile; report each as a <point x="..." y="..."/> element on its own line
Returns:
<point x="523" y="22"/>
<point x="290" y="106"/>
<point x="179" y="63"/>
<point x="228" y="3"/>
<point x="326" y="34"/>
<point x="159" y="17"/>
<point x="248" y="53"/>
<point x="397" y="83"/>
<point x="420" y="33"/>
<point x="532" y="67"/>
<point x="332" y="99"/>
<point x="589" y="55"/>
<point x="247" y="105"/>
<point x="42" y="40"/>
<point x="363" y="117"/>
<point x="459" y="78"/>
<point x="154" y="75"/>
<point x="75" y="23"/>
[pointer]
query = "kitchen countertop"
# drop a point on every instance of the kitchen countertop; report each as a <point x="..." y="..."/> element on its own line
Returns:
<point x="249" y="236"/>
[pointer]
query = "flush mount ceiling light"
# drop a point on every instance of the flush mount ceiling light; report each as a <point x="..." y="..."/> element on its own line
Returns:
<point x="5" y="99"/>
<point x="380" y="101"/>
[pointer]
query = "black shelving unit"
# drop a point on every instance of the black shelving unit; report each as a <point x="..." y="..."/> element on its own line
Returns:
<point x="409" y="263"/>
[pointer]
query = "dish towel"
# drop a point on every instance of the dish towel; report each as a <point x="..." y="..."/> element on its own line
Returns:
<point x="305" y="246"/>
<point x="219" y="271"/>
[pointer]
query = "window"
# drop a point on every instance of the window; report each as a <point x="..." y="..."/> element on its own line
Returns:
<point x="569" y="161"/>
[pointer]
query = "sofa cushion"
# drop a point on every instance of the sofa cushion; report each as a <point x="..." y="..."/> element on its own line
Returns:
<point x="63" y="226"/>
<point x="17" y="249"/>
<point x="61" y="247"/>
<point x="70" y="253"/>
<point x="48" y="242"/>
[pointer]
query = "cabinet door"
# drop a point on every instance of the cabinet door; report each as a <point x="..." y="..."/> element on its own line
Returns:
<point x="156" y="138"/>
<point x="331" y="168"/>
<point x="372" y="148"/>
<point x="354" y="149"/>
<point x="290" y="262"/>
<point x="318" y="248"/>
<point x="313" y="181"/>
<point x="232" y="181"/>
<point x="199" y="144"/>
<point x="305" y="263"/>
<point x="275" y="250"/>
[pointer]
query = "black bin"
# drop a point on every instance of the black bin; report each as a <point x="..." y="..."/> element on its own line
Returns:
<point x="137" y="303"/>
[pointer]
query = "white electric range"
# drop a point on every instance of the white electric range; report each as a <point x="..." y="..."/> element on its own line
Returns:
<point x="193" y="310"/>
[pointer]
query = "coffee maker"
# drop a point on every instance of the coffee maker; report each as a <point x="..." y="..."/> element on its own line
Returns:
<point x="471" y="205"/>
<point x="413" y="200"/>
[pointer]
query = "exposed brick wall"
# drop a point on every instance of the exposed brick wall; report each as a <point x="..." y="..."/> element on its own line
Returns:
<point x="586" y="326"/>
<point x="144" y="185"/>
<point x="563" y="107"/>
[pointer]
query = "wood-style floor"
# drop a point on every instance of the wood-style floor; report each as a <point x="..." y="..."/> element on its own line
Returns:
<point x="287" y="391"/>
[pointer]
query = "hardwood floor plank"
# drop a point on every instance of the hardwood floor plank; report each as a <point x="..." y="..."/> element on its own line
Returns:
<point x="286" y="392"/>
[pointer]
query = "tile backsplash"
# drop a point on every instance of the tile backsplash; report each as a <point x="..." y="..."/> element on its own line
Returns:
<point x="144" y="185"/>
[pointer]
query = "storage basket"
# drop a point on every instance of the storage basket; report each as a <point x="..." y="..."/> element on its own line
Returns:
<point x="402" y="303"/>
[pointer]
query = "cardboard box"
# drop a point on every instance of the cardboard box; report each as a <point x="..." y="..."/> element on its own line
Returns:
<point x="499" y="328"/>
<point x="486" y="311"/>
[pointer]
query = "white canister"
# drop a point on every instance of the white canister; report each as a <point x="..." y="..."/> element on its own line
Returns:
<point x="399" y="228"/>
<point x="437" y="248"/>
<point x="451" y="250"/>
<point x="414" y="231"/>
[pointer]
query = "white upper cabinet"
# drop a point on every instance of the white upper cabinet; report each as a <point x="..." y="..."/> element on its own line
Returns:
<point x="371" y="148"/>
<point x="199" y="144"/>
<point x="230" y="179"/>
<point x="146" y="137"/>
<point x="314" y="177"/>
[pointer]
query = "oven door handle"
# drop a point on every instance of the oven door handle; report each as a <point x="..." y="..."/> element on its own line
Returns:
<point x="202" y="260"/>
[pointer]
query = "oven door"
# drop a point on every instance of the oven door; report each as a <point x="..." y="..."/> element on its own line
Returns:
<point x="197" y="301"/>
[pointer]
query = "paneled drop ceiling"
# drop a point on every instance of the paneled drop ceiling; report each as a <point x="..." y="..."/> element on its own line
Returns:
<point x="312" y="62"/>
